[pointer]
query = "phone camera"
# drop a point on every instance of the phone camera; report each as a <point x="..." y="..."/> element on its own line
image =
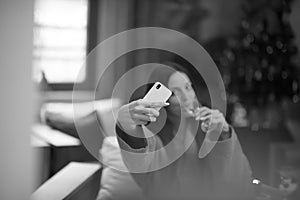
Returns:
<point x="158" y="86"/>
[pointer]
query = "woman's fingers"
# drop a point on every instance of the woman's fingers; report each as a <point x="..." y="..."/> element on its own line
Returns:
<point x="210" y="118"/>
<point x="147" y="111"/>
<point x="151" y="104"/>
<point x="204" y="118"/>
<point x="142" y="122"/>
<point x="140" y="117"/>
<point x="142" y="112"/>
<point x="217" y="120"/>
<point x="202" y="112"/>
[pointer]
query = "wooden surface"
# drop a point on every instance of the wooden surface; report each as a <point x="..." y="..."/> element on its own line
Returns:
<point x="67" y="183"/>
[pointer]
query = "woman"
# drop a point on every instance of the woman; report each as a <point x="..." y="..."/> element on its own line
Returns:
<point x="223" y="174"/>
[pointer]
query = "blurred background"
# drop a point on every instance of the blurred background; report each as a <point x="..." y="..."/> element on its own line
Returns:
<point x="44" y="44"/>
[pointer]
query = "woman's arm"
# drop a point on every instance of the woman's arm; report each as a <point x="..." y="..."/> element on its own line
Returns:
<point x="131" y="118"/>
<point x="133" y="142"/>
<point x="229" y="166"/>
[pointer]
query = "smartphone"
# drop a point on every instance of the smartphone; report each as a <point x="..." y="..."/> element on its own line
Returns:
<point x="158" y="93"/>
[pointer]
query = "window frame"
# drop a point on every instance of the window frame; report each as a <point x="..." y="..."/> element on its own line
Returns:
<point x="92" y="26"/>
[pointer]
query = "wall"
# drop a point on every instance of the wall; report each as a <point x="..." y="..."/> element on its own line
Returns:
<point x="16" y="107"/>
<point x="113" y="18"/>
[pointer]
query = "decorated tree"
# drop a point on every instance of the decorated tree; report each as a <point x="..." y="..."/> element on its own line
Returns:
<point x="258" y="63"/>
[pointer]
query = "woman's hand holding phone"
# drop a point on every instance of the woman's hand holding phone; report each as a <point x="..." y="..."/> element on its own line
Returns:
<point x="139" y="112"/>
<point x="146" y="110"/>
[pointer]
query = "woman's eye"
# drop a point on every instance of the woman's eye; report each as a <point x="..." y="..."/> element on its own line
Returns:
<point x="188" y="87"/>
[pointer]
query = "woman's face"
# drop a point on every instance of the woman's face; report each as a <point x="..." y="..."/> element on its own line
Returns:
<point x="183" y="94"/>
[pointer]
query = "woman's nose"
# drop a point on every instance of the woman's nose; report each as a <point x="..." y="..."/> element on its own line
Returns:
<point x="184" y="97"/>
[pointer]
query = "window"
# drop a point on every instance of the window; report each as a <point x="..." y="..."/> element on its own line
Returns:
<point x="60" y="40"/>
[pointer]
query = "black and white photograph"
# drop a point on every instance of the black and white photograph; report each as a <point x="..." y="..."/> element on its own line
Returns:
<point x="150" y="99"/>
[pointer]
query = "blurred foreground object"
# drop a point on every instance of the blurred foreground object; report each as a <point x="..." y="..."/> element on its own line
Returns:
<point x="75" y="181"/>
<point x="266" y="192"/>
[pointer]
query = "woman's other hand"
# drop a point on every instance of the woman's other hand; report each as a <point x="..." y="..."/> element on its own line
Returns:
<point x="137" y="113"/>
<point x="211" y="119"/>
